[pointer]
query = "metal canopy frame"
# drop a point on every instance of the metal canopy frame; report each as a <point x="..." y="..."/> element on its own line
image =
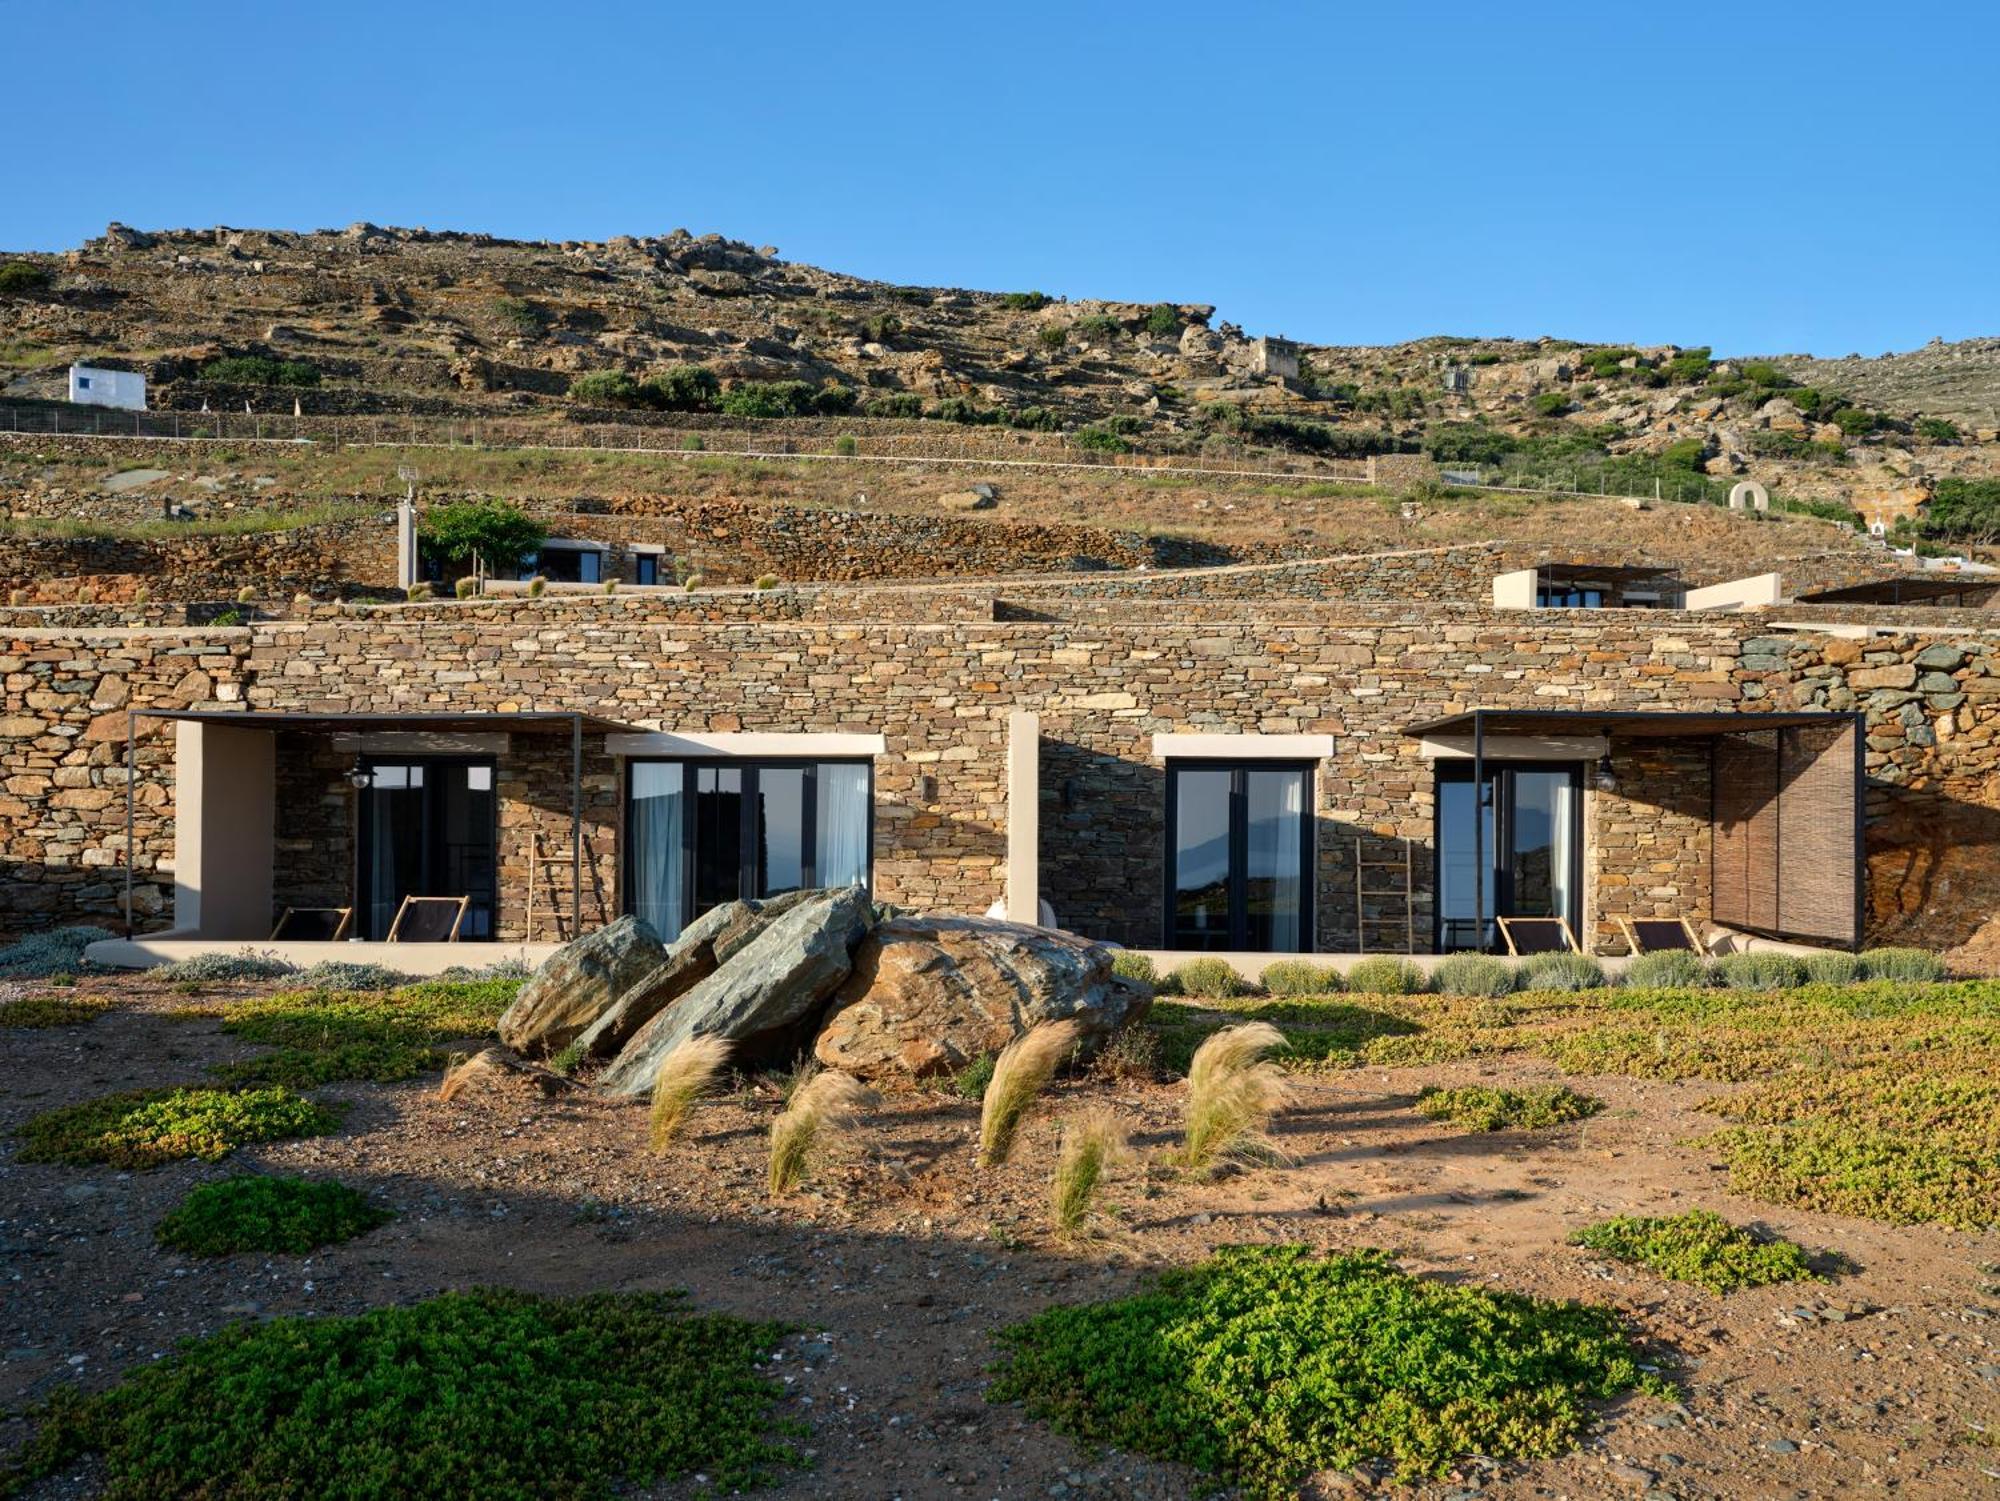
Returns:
<point x="532" y="722"/>
<point x="1647" y="723"/>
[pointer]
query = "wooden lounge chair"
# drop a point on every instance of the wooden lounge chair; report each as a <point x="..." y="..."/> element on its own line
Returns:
<point x="1652" y="935"/>
<point x="314" y="924"/>
<point x="1537" y="935"/>
<point x="429" y="919"/>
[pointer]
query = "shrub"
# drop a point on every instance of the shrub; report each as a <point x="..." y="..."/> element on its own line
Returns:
<point x="1129" y="964"/>
<point x="490" y="1393"/>
<point x="1052" y="336"/>
<point x="1021" y="1072"/>
<point x="496" y="530"/>
<point x="610" y="586"/>
<point x="904" y="404"/>
<point x="1300" y="977"/>
<point x="958" y="409"/>
<point x="1562" y="971"/>
<point x="519" y="315"/>
<point x="1690" y="366"/>
<point x="36" y="1011"/>
<point x="202" y="969"/>
<point x="1210" y="979"/>
<point x="846" y="446"/>
<point x="1233" y="1091"/>
<point x="693" y="443"/>
<point x="1914" y="966"/>
<point x="277" y="1215"/>
<point x="1035" y="419"/>
<point x="687" y="1073"/>
<point x="1170" y="1371"/>
<point x="17" y="278"/>
<point x="766" y="398"/>
<point x="1092" y="1144"/>
<point x="606" y="388"/>
<point x="1759" y="969"/>
<point x="1099" y="440"/>
<point x="343" y="974"/>
<point x="691" y="583"/>
<point x="1097" y="325"/>
<point x="882" y="327"/>
<point x="56" y="952"/>
<point x="766" y="581"/>
<point x="1383" y="974"/>
<point x="1699" y="1246"/>
<point x="1832" y="968"/>
<point x="537" y="586"/>
<point x="1467" y="443"/>
<point x="682" y="388"/>
<point x="1024" y="302"/>
<point x="1550" y="404"/>
<point x="1134" y="1052"/>
<point x="820" y="1110"/>
<point x="1937" y="430"/>
<point x="146" y="1127"/>
<point x="1474" y="975"/>
<point x="1854" y="421"/>
<point x="1162" y="320"/>
<point x="1482" y="1109"/>
<point x="260" y="370"/>
<point x="1669" y="969"/>
<point x="466" y="587"/>
<point x="970" y="1082"/>
<point x="415" y="594"/>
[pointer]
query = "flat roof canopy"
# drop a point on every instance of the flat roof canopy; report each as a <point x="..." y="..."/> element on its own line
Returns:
<point x="1900" y="590"/>
<point x="1646" y="722"/>
<point x="1616" y="572"/>
<point x="532" y="722"/>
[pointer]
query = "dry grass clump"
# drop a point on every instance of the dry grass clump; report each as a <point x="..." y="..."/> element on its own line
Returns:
<point x="1021" y="1071"/>
<point x="686" y="1074"/>
<point x="465" y="1072"/>
<point x="1093" y="1143"/>
<point x="1233" y="1090"/>
<point x="820" y="1109"/>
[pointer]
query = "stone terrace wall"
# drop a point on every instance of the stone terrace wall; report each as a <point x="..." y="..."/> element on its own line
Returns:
<point x="334" y="556"/>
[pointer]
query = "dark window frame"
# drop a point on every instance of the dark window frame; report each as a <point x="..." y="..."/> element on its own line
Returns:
<point x="1499" y="845"/>
<point x="751" y="766"/>
<point x="1238" y="880"/>
<point x="364" y="839"/>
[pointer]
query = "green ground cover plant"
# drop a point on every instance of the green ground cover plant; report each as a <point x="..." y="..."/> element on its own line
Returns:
<point x="1268" y="1363"/>
<point x="486" y="1393"/>
<point x="278" y="1215"/>
<point x="1480" y="1108"/>
<point x="56" y="952"/>
<point x="146" y="1127"/>
<point x="1701" y="1247"/>
<point x="50" y="1011"/>
<point x="320" y="1036"/>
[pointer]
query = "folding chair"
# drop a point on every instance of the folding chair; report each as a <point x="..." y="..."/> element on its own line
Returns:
<point x="1652" y="935"/>
<point x="314" y="924"/>
<point x="429" y="919"/>
<point x="1537" y="935"/>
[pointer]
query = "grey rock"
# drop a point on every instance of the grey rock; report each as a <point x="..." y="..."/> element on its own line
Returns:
<point x="578" y="983"/>
<point x="1781" y="1446"/>
<point x="1940" y="658"/>
<point x="690" y="959"/>
<point x="928" y="995"/>
<point x="767" y="998"/>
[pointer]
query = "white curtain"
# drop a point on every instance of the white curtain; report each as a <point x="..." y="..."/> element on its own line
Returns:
<point x="1562" y="827"/>
<point x="656" y="865"/>
<point x="1277" y="829"/>
<point x="841" y="833"/>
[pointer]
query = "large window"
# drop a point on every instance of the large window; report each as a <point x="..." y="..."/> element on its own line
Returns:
<point x="1239" y="856"/>
<point x="1524" y="860"/>
<point x="701" y="833"/>
<point x="427" y="827"/>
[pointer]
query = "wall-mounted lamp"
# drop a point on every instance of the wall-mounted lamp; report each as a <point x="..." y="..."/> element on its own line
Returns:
<point x="359" y="776"/>
<point x="1604" y="777"/>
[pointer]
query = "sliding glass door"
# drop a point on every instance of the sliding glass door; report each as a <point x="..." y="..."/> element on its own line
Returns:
<point x="1524" y="861"/>
<point x="701" y="833"/>
<point x="426" y="827"/>
<point x="1239" y="857"/>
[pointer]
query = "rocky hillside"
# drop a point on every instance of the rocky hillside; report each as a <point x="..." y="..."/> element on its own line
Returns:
<point x="375" y="319"/>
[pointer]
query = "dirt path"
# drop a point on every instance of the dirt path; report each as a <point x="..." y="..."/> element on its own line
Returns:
<point x="896" y="1269"/>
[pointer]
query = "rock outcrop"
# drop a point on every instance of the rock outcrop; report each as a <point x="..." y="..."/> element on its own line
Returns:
<point x="578" y="983"/>
<point x="767" y="997"/>
<point x="928" y="995"/>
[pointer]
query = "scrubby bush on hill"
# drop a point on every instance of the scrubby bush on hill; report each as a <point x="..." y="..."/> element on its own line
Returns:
<point x="20" y="277"/>
<point x="260" y="370"/>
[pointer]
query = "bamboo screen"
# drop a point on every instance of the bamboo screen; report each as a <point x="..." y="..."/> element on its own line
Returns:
<point x="1785" y="832"/>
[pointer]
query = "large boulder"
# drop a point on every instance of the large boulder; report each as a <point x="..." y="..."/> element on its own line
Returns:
<point x="767" y="997"/>
<point x="930" y="994"/>
<point x="704" y="946"/>
<point x="577" y="983"/>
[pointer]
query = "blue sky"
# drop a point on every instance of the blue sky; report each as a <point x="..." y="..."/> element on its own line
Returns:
<point x="1761" y="177"/>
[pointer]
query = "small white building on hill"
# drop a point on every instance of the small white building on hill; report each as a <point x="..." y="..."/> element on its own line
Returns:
<point x="90" y="386"/>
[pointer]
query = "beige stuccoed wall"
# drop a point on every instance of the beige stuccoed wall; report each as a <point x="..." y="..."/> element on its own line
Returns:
<point x="225" y="803"/>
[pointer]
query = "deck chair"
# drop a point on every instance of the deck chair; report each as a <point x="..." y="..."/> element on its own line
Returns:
<point x="429" y="919"/>
<point x="1652" y="935"/>
<point x="314" y="924"/>
<point x="1537" y="935"/>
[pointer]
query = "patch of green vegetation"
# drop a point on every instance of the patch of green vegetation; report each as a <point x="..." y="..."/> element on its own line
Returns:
<point x="1699" y="1247"/>
<point x="1099" y="440"/>
<point x="320" y="1036"/>
<point x="260" y="370"/>
<point x="1383" y="974"/>
<point x="1300" y="977"/>
<point x="278" y="1215"/>
<point x="1163" y="320"/>
<point x="970" y="1082"/>
<point x="146" y="1127"/>
<point x="1480" y="1108"/>
<point x="487" y="1393"/>
<point x="18" y="278"/>
<point x="499" y="532"/>
<point x="50" y="1011"/>
<point x="1473" y="974"/>
<point x="1210" y="979"/>
<point x="59" y="951"/>
<point x="1267" y="1363"/>
<point x="1024" y="302"/>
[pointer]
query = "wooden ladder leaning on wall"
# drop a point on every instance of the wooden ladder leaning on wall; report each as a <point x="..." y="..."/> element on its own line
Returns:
<point x="1388" y="923"/>
<point x="551" y="869"/>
